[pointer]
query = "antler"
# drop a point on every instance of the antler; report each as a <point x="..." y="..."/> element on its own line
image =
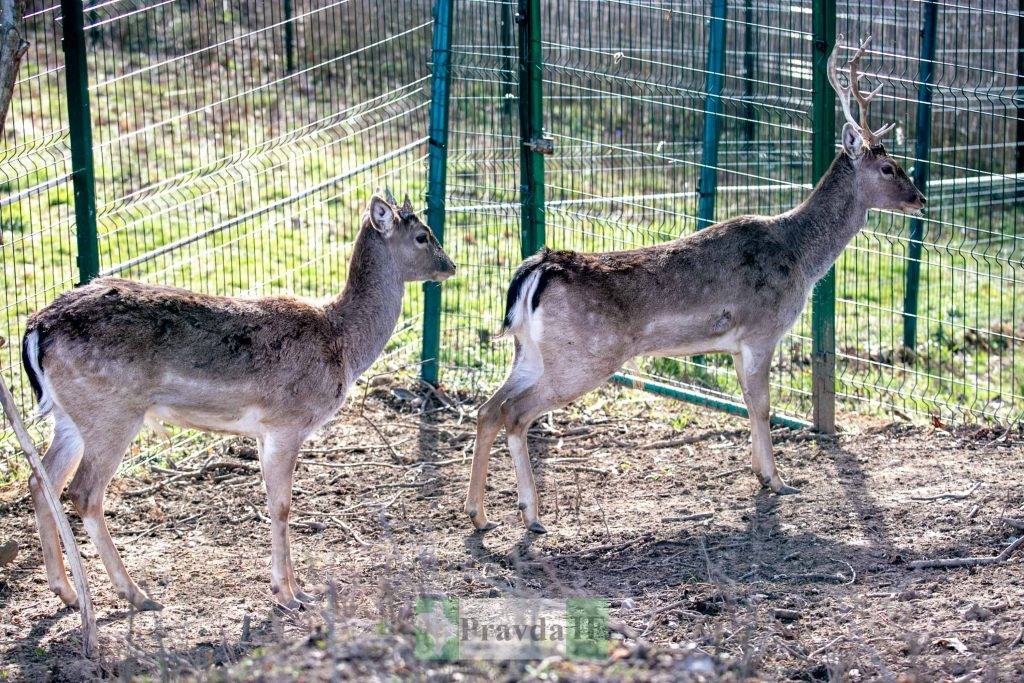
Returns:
<point x="871" y="137"/>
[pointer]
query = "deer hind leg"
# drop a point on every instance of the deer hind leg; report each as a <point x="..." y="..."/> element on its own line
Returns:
<point x="60" y="460"/>
<point x="105" y="441"/>
<point x="526" y="369"/>
<point x="752" y="368"/>
<point x="519" y="413"/>
<point x="278" y="454"/>
<point x="488" y="424"/>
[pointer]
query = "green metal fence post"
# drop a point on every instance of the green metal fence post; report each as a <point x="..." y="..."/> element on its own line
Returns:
<point x="823" y="300"/>
<point x="533" y="145"/>
<point x="922" y="150"/>
<point x="749" y="72"/>
<point x="437" y="178"/>
<point x="289" y="36"/>
<point x="508" y="67"/>
<point x="80" y="130"/>
<point x="707" y="186"/>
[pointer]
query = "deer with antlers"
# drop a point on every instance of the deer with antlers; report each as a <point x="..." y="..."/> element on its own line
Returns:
<point x="109" y="356"/>
<point x="735" y="287"/>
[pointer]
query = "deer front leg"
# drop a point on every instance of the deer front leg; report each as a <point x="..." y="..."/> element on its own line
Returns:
<point x="752" y="367"/>
<point x="278" y="454"/>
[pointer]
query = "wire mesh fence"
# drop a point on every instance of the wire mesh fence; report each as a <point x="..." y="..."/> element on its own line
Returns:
<point x="235" y="145"/>
<point x="667" y="116"/>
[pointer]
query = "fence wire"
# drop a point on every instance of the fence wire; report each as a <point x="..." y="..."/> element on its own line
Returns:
<point x="235" y="147"/>
<point x="627" y="87"/>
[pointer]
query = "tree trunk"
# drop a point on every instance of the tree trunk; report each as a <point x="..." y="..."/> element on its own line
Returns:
<point x="13" y="46"/>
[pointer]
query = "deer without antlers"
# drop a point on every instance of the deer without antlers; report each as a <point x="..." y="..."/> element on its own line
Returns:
<point x="106" y="357"/>
<point x="735" y="287"/>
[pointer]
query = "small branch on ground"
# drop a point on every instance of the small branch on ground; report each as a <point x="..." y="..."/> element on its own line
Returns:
<point x="946" y="563"/>
<point x="1017" y="524"/>
<point x="177" y="475"/>
<point x="689" y="518"/>
<point x="950" y="496"/>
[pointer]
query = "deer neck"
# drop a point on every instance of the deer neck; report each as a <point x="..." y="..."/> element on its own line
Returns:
<point x="363" y="316"/>
<point x="828" y="219"/>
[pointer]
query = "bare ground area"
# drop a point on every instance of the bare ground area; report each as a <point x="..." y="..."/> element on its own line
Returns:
<point x="648" y="502"/>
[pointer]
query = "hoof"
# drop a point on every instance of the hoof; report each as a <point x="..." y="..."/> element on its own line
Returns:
<point x="292" y="605"/>
<point x="149" y="605"/>
<point x="305" y="598"/>
<point x="67" y="595"/>
<point x="486" y="526"/>
<point x="536" y="528"/>
<point x="786" y="490"/>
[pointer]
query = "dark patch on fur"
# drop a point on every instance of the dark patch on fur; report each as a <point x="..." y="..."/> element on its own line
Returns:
<point x="33" y="379"/>
<point x="518" y="279"/>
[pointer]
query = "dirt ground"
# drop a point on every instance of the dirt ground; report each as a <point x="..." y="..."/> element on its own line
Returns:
<point x="811" y="587"/>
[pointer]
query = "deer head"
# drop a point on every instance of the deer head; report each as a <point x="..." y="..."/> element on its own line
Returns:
<point x="879" y="179"/>
<point x="416" y="251"/>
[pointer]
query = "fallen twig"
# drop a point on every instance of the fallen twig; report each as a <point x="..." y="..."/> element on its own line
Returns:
<point x="1017" y="524"/>
<point x="178" y="475"/>
<point x="671" y="606"/>
<point x="826" y="646"/>
<point x="327" y="450"/>
<point x="734" y="470"/>
<point x="155" y="527"/>
<point x="689" y="518"/>
<point x="581" y="468"/>
<point x="950" y="496"/>
<point x="949" y="562"/>
<point x="352" y="532"/>
<point x="599" y="548"/>
<point x="345" y="465"/>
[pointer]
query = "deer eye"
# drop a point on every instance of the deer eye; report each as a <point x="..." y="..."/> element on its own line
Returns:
<point x="887" y="170"/>
<point x="421" y="238"/>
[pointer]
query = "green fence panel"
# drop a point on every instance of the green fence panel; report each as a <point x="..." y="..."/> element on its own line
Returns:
<point x="217" y="167"/>
<point x="967" y="362"/>
<point x="483" y="230"/>
<point x="234" y="149"/>
<point x="38" y="250"/>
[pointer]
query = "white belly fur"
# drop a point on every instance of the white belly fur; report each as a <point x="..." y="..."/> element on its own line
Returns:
<point x="247" y="422"/>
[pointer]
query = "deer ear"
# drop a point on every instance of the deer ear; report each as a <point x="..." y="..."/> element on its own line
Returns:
<point x="382" y="216"/>
<point x="853" y="141"/>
